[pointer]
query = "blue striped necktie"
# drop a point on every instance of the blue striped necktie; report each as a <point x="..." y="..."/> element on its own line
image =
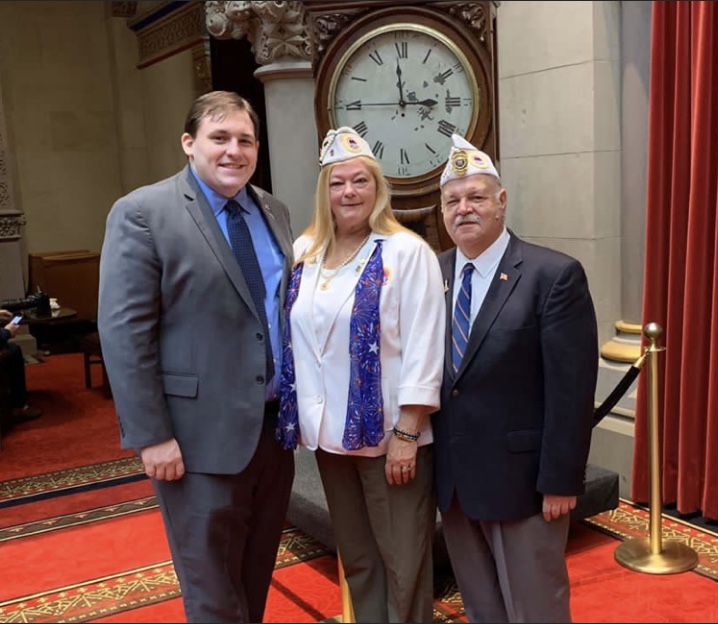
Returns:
<point x="462" y="312"/>
<point x="240" y="238"/>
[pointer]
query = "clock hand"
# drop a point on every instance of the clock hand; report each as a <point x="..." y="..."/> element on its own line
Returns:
<point x="400" y="84"/>
<point x="427" y="102"/>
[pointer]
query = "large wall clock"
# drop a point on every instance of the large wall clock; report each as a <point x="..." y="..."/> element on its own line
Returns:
<point x="406" y="88"/>
<point x="407" y="78"/>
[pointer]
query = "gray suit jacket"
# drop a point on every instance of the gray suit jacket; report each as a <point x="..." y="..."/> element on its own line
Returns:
<point x="181" y="339"/>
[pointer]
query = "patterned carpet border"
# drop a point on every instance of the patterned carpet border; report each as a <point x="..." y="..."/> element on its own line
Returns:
<point x="57" y="523"/>
<point x="130" y="589"/>
<point x="628" y="521"/>
<point x="97" y="598"/>
<point x="26" y="487"/>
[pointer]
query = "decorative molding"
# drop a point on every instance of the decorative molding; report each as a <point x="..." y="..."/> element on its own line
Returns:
<point x="325" y="27"/>
<point x="10" y="225"/>
<point x="179" y="27"/>
<point x="276" y="30"/>
<point x="327" y="19"/>
<point x="124" y="9"/>
<point x="5" y="185"/>
<point x="472" y="15"/>
<point x="284" y="70"/>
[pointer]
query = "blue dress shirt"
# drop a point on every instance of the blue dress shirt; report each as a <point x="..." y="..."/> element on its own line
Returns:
<point x="271" y="263"/>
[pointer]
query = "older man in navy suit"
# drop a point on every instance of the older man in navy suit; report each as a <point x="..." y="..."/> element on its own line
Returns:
<point x="513" y="434"/>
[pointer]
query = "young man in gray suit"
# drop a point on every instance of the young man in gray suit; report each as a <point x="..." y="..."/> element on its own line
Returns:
<point x="192" y="275"/>
<point x="512" y="437"/>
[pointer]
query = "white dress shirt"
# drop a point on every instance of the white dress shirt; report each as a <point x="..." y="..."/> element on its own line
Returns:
<point x="485" y="265"/>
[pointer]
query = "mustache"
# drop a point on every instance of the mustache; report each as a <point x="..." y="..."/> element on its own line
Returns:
<point x="467" y="218"/>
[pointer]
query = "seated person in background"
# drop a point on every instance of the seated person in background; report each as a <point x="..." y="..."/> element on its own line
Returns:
<point x="12" y="366"/>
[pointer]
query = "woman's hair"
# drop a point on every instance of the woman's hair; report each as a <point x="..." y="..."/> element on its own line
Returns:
<point x="321" y="229"/>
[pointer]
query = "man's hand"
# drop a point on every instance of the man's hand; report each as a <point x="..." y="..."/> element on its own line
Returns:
<point x="163" y="461"/>
<point x="5" y="316"/>
<point x="557" y="506"/>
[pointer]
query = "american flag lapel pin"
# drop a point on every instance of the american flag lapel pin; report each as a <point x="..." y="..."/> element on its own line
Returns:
<point x="504" y="277"/>
<point x="268" y="211"/>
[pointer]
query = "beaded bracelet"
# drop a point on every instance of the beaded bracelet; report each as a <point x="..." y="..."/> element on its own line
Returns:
<point x="405" y="435"/>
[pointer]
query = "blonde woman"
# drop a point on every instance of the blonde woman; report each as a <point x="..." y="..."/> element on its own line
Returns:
<point x="362" y="367"/>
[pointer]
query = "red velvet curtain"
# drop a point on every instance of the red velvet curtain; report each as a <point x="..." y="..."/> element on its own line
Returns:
<point x="681" y="266"/>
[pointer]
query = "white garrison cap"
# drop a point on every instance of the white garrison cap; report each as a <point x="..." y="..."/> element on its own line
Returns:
<point x="342" y="144"/>
<point x="465" y="160"/>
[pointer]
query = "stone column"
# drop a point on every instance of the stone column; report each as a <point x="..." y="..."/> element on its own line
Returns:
<point x="13" y="258"/>
<point x="282" y="46"/>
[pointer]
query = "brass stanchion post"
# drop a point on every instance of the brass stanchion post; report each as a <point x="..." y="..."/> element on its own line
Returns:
<point x="653" y="556"/>
<point x="347" y="607"/>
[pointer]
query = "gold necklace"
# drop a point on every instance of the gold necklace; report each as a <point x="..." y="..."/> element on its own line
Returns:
<point x="328" y="277"/>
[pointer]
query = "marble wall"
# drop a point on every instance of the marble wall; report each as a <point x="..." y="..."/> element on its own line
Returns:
<point x="85" y="124"/>
<point x="560" y="140"/>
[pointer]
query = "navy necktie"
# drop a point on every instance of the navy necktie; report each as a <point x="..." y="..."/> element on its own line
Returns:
<point x="240" y="239"/>
<point x="460" y="324"/>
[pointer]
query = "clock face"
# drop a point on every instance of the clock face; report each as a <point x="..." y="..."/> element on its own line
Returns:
<point x="406" y="89"/>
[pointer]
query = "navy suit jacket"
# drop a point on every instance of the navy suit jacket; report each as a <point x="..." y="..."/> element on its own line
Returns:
<point x="516" y="419"/>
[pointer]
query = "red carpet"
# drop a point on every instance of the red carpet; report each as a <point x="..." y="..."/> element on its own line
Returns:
<point x="604" y="591"/>
<point x="78" y="426"/>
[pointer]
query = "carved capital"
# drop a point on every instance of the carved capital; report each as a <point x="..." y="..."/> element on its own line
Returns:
<point x="473" y="15"/>
<point x="10" y="224"/>
<point x="276" y="30"/>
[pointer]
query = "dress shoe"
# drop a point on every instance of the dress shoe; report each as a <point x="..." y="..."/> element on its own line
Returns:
<point x="24" y="414"/>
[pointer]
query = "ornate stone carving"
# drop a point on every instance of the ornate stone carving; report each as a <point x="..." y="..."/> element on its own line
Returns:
<point x="325" y="28"/>
<point x="170" y="33"/>
<point x="473" y="15"/>
<point x="276" y="30"/>
<point x="4" y="173"/>
<point x="10" y="224"/>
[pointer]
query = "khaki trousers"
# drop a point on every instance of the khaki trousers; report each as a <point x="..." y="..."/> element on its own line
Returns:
<point x="384" y="534"/>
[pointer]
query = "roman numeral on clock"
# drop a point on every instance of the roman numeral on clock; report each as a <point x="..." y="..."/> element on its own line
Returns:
<point x="404" y="157"/>
<point x="376" y="57"/>
<point x="352" y="106"/>
<point x="441" y="78"/>
<point x="452" y="102"/>
<point x="378" y="149"/>
<point x="402" y="49"/>
<point x="361" y="129"/>
<point x="446" y="128"/>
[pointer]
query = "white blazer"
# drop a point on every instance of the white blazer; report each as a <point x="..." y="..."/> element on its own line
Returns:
<point x="413" y="325"/>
